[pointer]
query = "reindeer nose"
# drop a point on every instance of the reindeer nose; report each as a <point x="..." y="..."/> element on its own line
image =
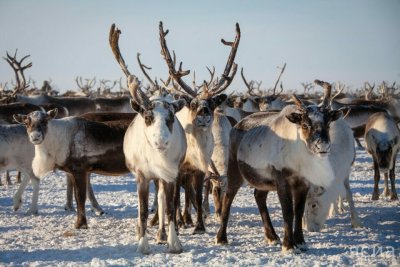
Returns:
<point x="323" y="146"/>
<point x="162" y="145"/>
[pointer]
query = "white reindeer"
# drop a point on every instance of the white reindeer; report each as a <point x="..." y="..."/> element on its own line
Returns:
<point x="154" y="148"/>
<point x="320" y="199"/>
<point x="382" y="139"/>
<point x="284" y="152"/>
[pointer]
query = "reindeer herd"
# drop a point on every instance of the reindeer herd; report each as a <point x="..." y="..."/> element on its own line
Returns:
<point x="201" y="140"/>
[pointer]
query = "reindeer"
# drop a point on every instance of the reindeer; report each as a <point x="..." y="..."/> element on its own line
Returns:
<point x="197" y="118"/>
<point x="85" y="147"/>
<point x="382" y="139"/>
<point x="282" y="152"/>
<point x="158" y="156"/>
<point x="341" y="157"/>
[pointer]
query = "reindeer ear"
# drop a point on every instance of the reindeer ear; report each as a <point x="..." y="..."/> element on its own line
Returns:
<point x="294" y="117"/>
<point x="218" y="100"/>
<point x="19" y="118"/>
<point x="135" y="106"/>
<point x="337" y="114"/>
<point x="178" y="104"/>
<point x="52" y="113"/>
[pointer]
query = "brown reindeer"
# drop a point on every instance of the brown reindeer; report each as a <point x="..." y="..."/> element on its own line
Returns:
<point x="197" y="118"/>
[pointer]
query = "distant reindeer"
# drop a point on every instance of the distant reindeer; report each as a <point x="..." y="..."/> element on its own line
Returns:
<point x="382" y="139"/>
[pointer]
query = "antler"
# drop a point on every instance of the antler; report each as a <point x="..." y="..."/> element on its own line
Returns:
<point x="368" y="88"/>
<point x="143" y="68"/>
<point x="327" y="92"/>
<point x="133" y="82"/>
<point x="277" y="81"/>
<point x="298" y="102"/>
<point x="176" y="75"/>
<point x="249" y="86"/>
<point x="16" y="65"/>
<point x="230" y="66"/>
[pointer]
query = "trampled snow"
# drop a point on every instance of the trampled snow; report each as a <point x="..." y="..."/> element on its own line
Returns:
<point x="49" y="239"/>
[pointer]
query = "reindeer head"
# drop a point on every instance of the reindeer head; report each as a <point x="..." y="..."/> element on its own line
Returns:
<point x="313" y="122"/>
<point x="158" y="115"/>
<point x="36" y="124"/>
<point x="316" y="208"/>
<point x="202" y="105"/>
<point x="384" y="152"/>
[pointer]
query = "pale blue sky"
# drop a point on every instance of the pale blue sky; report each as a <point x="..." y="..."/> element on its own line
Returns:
<point x="349" y="41"/>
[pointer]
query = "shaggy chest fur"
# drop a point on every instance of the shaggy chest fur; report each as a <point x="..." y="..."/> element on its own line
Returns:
<point x="141" y="156"/>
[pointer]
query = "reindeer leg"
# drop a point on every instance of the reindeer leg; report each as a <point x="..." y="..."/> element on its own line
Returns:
<point x="174" y="245"/>
<point x="17" y="199"/>
<point x="217" y="197"/>
<point x="198" y="186"/>
<point x="69" y="206"/>
<point x="161" y="234"/>
<point x="393" y="193"/>
<point x="154" y="208"/>
<point x="235" y="181"/>
<point x="286" y="200"/>
<point x="177" y="204"/>
<point x="19" y="177"/>
<point x="155" y="203"/>
<point x="355" y="220"/>
<point x="189" y="195"/>
<point x="206" y="204"/>
<point x="143" y="193"/>
<point x="299" y="191"/>
<point x="386" y="191"/>
<point x="80" y="184"/>
<point x="261" y="199"/>
<point x="33" y="210"/>
<point x="95" y="205"/>
<point x="8" y="179"/>
<point x="375" y="194"/>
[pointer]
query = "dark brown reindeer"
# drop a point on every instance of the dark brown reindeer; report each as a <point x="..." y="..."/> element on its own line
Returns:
<point x="282" y="152"/>
<point x="197" y="118"/>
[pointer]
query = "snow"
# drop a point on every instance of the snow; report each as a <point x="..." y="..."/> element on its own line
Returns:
<point x="49" y="239"/>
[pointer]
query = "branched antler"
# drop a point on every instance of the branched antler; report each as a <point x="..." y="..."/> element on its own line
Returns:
<point x="216" y="87"/>
<point x="133" y="82"/>
<point x="16" y="65"/>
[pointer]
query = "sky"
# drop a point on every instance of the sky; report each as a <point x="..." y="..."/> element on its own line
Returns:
<point x="342" y="40"/>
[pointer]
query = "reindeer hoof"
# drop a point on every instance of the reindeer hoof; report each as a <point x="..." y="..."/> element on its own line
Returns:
<point x="393" y="196"/>
<point x="69" y="208"/>
<point x="273" y="242"/>
<point x="302" y="247"/>
<point x="161" y="237"/>
<point x="289" y="251"/>
<point x="143" y="246"/>
<point x="81" y="225"/>
<point x="32" y="212"/>
<point x="98" y="212"/>
<point x="200" y="229"/>
<point x="375" y="196"/>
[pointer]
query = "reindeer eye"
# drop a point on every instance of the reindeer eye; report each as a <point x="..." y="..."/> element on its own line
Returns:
<point x="193" y="104"/>
<point x="148" y="117"/>
<point x="305" y="126"/>
<point x="313" y="206"/>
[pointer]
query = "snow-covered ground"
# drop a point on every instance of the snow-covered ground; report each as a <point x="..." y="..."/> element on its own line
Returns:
<point x="49" y="239"/>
